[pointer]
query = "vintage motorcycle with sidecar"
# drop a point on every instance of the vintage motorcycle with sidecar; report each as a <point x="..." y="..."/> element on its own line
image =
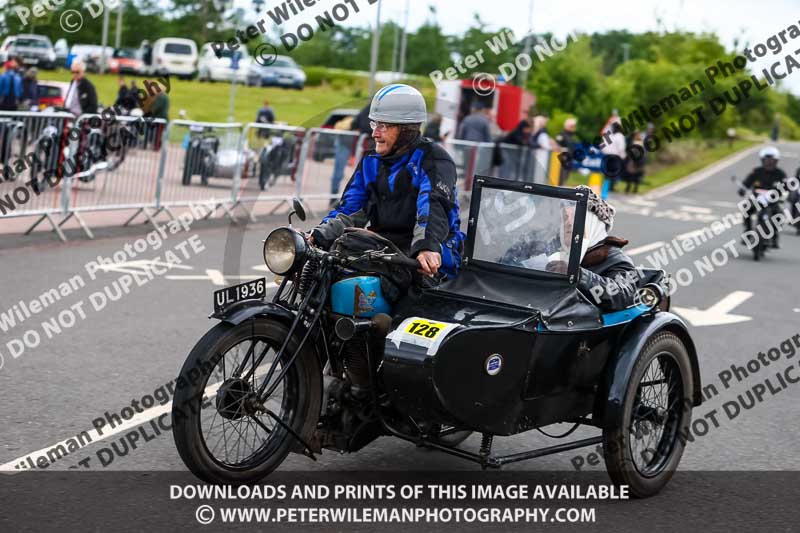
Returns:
<point x="355" y="345"/>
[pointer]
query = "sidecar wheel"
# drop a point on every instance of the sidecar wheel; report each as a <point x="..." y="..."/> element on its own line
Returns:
<point x="219" y="436"/>
<point x="644" y="446"/>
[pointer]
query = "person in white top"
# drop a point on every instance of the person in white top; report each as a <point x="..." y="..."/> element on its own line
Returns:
<point x="81" y="96"/>
<point x="614" y="147"/>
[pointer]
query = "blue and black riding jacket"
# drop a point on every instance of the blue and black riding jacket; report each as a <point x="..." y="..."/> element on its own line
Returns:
<point x="410" y="199"/>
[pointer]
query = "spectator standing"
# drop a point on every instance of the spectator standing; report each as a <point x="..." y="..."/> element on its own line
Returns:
<point x="126" y="98"/>
<point x="160" y="108"/>
<point x="510" y="161"/>
<point x="343" y="146"/>
<point x="433" y="130"/>
<point x="567" y="141"/>
<point x="30" y="90"/>
<point x="10" y="87"/>
<point x="614" y="149"/>
<point x="776" y="128"/>
<point x="147" y="53"/>
<point x="361" y="125"/>
<point x="539" y="138"/>
<point x="81" y="96"/>
<point x="477" y="126"/>
<point x="634" y="166"/>
<point x="265" y="115"/>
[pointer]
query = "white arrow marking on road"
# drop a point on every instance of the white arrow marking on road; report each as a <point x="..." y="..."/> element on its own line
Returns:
<point x="719" y="313"/>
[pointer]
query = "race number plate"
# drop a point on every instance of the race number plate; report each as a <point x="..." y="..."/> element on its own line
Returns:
<point x="421" y="332"/>
<point x="256" y="289"/>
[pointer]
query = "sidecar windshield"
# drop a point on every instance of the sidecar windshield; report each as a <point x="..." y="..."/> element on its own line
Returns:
<point x="525" y="230"/>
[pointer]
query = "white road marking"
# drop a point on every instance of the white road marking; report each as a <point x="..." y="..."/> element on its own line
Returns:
<point x="700" y="175"/>
<point x="137" y="420"/>
<point x="689" y="234"/>
<point x="641" y="201"/>
<point x="694" y="209"/>
<point x="723" y="204"/>
<point x="140" y="266"/>
<point x="645" y="248"/>
<point x="141" y="418"/>
<point x="719" y="313"/>
<point x="217" y="278"/>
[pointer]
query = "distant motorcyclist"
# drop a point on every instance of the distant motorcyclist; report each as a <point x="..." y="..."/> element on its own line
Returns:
<point x="405" y="189"/>
<point x="768" y="176"/>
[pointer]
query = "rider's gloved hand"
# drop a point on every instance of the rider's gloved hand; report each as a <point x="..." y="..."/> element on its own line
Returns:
<point x="429" y="262"/>
<point x="742" y="191"/>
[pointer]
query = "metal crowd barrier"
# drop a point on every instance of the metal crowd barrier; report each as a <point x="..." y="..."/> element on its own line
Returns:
<point x="328" y="160"/>
<point x="200" y="165"/>
<point x="269" y="160"/>
<point x="119" y="168"/>
<point x="32" y="152"/>
<point x="153" y="165"/>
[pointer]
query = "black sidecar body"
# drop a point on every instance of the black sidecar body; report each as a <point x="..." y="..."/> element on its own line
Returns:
<point x="512" y="344"/>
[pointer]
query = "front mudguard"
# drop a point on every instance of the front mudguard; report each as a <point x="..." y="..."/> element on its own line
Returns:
<point x="240" y="312"/>
<point x="237" y="313"/>
<point x="619" y="370"/>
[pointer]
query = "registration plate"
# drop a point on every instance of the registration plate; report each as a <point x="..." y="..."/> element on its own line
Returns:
<point x="256" y="289"/>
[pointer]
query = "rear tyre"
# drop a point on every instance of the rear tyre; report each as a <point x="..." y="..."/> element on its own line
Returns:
<point x="219" y="434"/>
<point x="643" y="447"/>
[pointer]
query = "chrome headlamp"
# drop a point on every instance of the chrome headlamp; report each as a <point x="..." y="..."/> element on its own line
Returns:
<point x="284" y="251"/>
<point x="651" y="295"/>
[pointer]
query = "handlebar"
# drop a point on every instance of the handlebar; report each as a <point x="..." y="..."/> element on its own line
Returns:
<point x="401" y="261"/>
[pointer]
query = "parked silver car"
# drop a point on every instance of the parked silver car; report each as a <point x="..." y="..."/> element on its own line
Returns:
<point x="33" y="50"/>
<point x="283" y="72"/>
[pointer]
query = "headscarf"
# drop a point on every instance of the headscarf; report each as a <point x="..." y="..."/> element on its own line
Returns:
<point x="599" y="220"/>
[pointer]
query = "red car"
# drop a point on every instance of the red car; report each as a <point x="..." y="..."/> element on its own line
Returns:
<point x="125" y="61"/>
<point x="52" y="93"/>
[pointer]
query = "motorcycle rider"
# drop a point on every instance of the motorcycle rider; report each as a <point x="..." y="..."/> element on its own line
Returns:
<point x="767" y="176"/>
<point x="405" y="189"/>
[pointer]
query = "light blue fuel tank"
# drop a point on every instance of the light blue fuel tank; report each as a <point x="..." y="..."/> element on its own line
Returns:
<point x="360" y="296"/>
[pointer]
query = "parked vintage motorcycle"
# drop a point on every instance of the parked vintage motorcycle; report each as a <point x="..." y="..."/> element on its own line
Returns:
<point x="354" y="346"/>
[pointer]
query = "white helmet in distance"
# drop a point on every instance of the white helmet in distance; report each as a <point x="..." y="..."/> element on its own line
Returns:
<point x="398" y="104"/>
<point x="769" y="151"/>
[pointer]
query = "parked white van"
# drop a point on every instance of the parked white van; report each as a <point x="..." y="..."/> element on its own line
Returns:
<point x="173" y="56"/>
<point x="213" y="68"/>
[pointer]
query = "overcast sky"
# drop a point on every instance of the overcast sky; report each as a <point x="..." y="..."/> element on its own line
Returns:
<point x="746" y="19"/>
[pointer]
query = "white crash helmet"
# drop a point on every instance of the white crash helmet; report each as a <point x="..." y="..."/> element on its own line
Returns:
<point x="398" y="104"/>
<point x="769" y="151"/>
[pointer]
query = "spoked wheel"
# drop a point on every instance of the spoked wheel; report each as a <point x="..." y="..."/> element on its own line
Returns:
<point x="645" y="445"/>
<point x="223" y="431"/>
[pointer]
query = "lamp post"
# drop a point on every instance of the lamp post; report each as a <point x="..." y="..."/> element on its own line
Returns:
<point x="373" y="64"/>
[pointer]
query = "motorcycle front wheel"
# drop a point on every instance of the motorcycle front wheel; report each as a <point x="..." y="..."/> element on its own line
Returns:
<point x="223" y="432"/>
